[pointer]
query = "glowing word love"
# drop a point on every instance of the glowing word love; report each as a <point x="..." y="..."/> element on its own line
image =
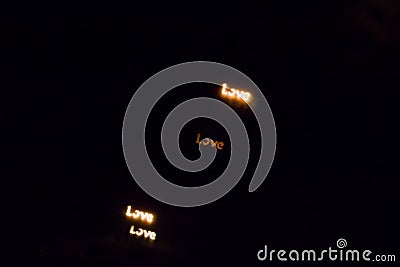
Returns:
<point x="210" y="142"/>
<point x="140" y="215"/>
<point x="143" y="233"/>
<point x="232" y="92"/>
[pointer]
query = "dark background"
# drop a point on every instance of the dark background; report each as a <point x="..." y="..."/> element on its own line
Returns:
<point x="330" y="73"/>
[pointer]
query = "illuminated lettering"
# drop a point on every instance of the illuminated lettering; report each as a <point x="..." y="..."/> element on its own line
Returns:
<point x="137" y="214"/>
<point x="220" y="145"/>
<point x="153" y="236"/>
<point x="128" y="211"/>
<point x="146" y="234"/>
<point x="139" y="232"/>
<point x="208" y="141"/>
<point x="232" y="92"/>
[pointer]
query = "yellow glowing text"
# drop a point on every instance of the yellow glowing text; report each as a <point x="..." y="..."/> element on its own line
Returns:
<point x="208" y="141"/>
<point x="139" y="215"/>
<point x="143" y="233"/>
<point x="234" y="93"/>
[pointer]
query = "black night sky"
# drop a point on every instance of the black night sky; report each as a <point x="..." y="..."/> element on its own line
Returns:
<point x="330" y="73"/>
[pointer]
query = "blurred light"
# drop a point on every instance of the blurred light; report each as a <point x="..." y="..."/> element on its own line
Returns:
<point x="143" y="233"/>
<point x="143" y="216"/>
<point x="234" y="93"/>
<point x="208" y="141"/>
